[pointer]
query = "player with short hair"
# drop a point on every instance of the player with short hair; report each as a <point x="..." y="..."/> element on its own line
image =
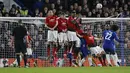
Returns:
<point x="108" y="44"/>
<point x="51" y="22"/>
<point x="83" y="49"/>
<point x="62" y="35"/>
<point x="94" y="49"/>
<point x="74" y="41"/>
<point x="18" y="37"/>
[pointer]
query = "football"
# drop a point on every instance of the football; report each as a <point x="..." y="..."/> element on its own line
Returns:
<point x="99" y="6"/>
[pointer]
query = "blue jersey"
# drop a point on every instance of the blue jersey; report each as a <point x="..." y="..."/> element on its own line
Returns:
<point x="109" y="37"/>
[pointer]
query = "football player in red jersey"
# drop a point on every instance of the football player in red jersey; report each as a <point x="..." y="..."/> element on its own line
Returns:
<point x="62" y="35"/>
<point x="51" y="22"/>
<point x="74" y="41"/>
<point x="95" y="50"/>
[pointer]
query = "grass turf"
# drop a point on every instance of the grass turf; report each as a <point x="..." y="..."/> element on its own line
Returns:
<point x="67" y="70"/>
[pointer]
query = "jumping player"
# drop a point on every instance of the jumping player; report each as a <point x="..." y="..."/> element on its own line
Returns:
<point x="74" y="41"/>
<point x="108" y="44"/>
<point x="51" y="23"/>
<point x="96" y="50"/>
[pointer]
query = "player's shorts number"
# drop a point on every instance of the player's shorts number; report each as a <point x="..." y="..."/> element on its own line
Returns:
<point x="108" y="36"/>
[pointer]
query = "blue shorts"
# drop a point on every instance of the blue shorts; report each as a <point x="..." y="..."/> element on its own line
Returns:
<point x="109" y="49"/>
<point x="83" y="48"/>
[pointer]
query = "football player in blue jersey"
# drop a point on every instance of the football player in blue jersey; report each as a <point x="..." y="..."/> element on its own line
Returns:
<point x="108" y="44"/>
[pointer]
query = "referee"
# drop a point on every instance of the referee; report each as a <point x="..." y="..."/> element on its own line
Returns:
<point x="19" y="38"/>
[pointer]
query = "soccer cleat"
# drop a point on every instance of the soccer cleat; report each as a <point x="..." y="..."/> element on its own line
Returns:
<point x="26" y="67"/>
<point x="110" y="65"/>
<point x="74" y="63"/>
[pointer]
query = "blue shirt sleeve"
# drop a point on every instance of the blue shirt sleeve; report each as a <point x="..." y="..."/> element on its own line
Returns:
<point x="116" y="37"/>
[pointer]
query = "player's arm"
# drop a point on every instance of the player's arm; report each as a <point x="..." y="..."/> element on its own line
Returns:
<point x="46" y="24"/>
<point x="12" y="38"/>
<point x="117" y="39"/>
<point x="55" y="25"/>
<point x="78" y="35"/>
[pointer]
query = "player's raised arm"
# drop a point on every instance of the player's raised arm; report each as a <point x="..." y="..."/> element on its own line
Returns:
<point x="117" y="38"/>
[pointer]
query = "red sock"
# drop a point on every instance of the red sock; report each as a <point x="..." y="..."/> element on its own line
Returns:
<point x="48" y="51"/>
<point x="54" y="50"/>
<point x="33" y="60"/>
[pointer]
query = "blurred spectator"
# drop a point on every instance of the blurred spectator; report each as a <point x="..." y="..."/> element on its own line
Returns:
<point x="2" y="9"/>
<point x="52" y="6"/>
<point x="58" y="4"/>
<point x="47" y="4"/>
<point x="45" y="10"/>
<point x="36" y="13"/>
<point x="24" y="12"/>
<point x="12" y="12"/>
<point x="38" y="5"/>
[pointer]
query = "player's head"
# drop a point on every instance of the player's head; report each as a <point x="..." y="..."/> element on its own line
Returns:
<point x="114" y="27"/>
<point x="62" y="15"/>
<point x="107" y="27"/>
<point x="50" y="13"/>
<point x="73" y="13"/>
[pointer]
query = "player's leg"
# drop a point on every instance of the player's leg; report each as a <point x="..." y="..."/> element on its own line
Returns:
<point x="24" y="52"/>
<point x="84" y="51"/>
<point x="117" y="59"/>
<point x="70" y="46"/>
<point x="100" y="52"/>
<point x="107" y="50"/>
<point x="76" y="48"/>
<point x="113" y="56"/>
<point x="49" y="40"/>
<point x="55" y="41"/>
<point x="17" y="50"/>
<point x="15" y="63"/>
<point x="91" y="57"/>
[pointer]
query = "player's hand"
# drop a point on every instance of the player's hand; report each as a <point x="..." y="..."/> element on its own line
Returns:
<point x="65" y="30"/>
<point x="63" y="24"/>
<point x="52" y="29"/>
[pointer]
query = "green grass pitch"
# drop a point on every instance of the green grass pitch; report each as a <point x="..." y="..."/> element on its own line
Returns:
<point x="67" y="70"/>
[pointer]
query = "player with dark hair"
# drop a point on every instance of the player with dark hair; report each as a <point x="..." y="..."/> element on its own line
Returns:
<point x="51" y="23"/>
<point x="74" y="41"/>
<point x="19" y="38"/>
<point x="94" y="49"/>
<point x="108" y="44"/>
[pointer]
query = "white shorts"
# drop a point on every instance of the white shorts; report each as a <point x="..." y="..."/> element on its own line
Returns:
<point x="96" y="50"/>
<point x="62" y="37"/>
<point x="73" y="37"/>
<point x="52" y="36"/>
<point x="29" y="51"/>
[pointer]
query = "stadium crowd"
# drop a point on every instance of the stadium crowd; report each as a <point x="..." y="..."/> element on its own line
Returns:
<point x="84" y="8"/>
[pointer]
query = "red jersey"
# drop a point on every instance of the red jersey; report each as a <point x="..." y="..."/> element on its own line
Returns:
<point x="28" y="39"/>
<point x="51" y="21"/>
<point x="90" y="40"/>
<point x="62" y="24"/>
<point x="80" y="32"/>
<point x="71" y="26"/>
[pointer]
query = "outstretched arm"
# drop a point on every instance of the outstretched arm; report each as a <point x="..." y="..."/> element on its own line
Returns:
<point x="117" y="39"/>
